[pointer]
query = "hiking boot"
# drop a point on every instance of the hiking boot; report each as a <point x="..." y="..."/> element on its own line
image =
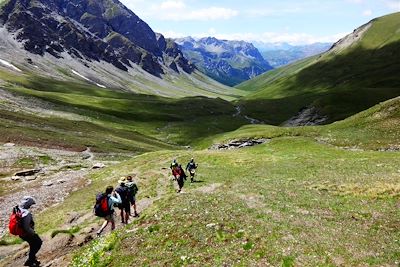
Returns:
<point x="32" y="263"/>
<point x="136" y="214"/>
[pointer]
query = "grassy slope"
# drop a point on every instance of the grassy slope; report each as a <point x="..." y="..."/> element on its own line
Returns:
<point x="291" y="201"/>
<point x="115" y="120"/>
<point x="339" y="84"/>
<point x="374" y="129"/>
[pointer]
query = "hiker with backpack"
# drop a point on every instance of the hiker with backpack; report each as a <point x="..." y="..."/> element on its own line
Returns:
<point x="22" y="224"/>
<point x="125" y="206"/>
<point x="180" y="176"/>
<point x="132" y="191"/>
<point x="173" y="164"/>
<point x="105" y="207"/>
<point x="191" y="167"/>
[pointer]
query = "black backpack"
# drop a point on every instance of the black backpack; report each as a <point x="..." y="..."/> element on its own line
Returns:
<point x="101" y="208"/>
<point x="123" y="193"/>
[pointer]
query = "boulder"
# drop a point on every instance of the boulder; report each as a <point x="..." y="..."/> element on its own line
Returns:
<point x="27" y="172"/>
<point x="31" y="178"/>
<point x="48" y="183"/>
<point x="98" y="166"/>
<point x="9" y="145"/>
<point x="15" y="178"/>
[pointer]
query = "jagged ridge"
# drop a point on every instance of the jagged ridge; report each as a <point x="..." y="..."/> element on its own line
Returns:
<point x="87" y="29"/>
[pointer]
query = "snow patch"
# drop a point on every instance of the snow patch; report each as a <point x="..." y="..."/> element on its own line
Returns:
<point x="9" y="65"/>
<point x="87" y="79"/>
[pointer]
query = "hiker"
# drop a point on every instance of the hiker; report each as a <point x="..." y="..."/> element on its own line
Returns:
<point x="28" y="233"/>
<point x="110" y="197"/>
<point x="132" y="191"/>
<point x="180" y="176"/>
<point x="173" y="164"/>
<point x="191" y="167"/>
<point x="125" y="206"/>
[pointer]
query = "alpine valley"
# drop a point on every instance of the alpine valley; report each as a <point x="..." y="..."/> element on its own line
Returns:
<point x="297" y="166"/>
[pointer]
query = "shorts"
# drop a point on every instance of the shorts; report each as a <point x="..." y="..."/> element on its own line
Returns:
<point x="133" y="200"/>
<point x="125" y="207"/>
<point x="109" y="218"/>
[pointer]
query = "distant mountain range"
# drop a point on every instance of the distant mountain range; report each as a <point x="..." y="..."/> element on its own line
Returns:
<point x="280" y="54"/>
<point x="229" y="62"/>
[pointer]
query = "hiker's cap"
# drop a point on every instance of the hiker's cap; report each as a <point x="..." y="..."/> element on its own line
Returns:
<point x="122" y="180"/>
<point x="27" y="202"/>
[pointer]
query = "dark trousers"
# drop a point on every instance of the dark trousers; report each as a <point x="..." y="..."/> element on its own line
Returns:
<point x="35" y="244"/>
<point x="180" y="182"/>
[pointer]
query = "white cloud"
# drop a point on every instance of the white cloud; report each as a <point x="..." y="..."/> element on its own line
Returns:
<point x="367" y="12"/>
<point x="179" y="10"/>
<point x="204" y="14"/>
<point x="172" y="5"/>
<point x="393" y="4"/>
<point x="355" y="1"/>
<point x="266" y="12"/>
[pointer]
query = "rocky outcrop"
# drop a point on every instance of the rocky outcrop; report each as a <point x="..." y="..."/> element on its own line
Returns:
<point x="103" y="30"/>
<point x="307" y="116"/>
<point x="229" y="62"/>
<point x="236" y="144"/>
<point x="27" y="173"/>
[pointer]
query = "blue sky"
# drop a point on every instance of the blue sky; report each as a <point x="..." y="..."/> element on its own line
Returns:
<point x="296" y="22"/>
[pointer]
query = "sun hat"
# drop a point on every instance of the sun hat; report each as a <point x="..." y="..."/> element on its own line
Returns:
<point x="122" y="180"/>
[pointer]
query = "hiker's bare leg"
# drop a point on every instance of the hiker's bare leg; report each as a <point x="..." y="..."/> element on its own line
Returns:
<point x="135" y="214"/>
<point x="126" y="217"/>
<point x="105" y="223"/>
<point x="122" y="216"/>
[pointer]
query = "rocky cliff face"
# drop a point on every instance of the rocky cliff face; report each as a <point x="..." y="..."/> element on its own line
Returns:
<point x="88" y="29"/>
<point x="229" y="62"/>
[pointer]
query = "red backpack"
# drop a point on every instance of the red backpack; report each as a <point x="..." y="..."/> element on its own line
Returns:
<point x="101" y="208"/>
<point x="15" y="224"/>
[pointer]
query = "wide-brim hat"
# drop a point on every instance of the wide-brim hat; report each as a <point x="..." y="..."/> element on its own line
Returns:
<point x="122" y="180"/>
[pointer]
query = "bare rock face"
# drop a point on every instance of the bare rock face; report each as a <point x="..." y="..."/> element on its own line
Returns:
<point x="102" y="30"/>
<point x="307" y="116"/>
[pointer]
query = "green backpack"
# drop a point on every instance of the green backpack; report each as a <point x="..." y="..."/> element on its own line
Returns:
<point x="132" y="188"/>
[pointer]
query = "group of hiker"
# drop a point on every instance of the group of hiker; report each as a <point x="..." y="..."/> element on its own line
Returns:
<point x="180" y="175"/>
<point x="123" y="196"/>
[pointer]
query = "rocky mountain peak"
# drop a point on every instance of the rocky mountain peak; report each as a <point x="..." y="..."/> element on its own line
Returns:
<point x="101" y="30"/>
<point x="229" y="62"/>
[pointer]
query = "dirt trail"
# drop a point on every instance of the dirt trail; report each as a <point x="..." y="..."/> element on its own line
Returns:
<point x="64" y="174"/>
<point x="58" y="251"/>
